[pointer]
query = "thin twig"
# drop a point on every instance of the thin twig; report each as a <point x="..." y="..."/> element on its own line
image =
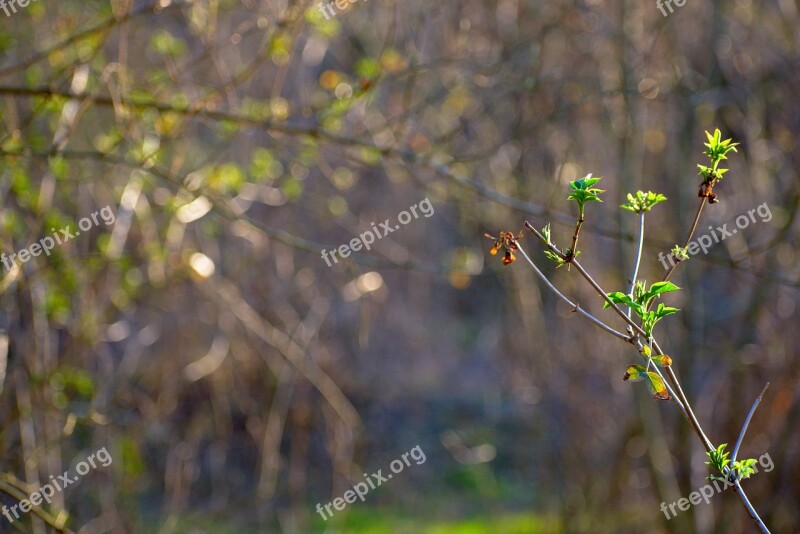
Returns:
<point x="688" y="238"/>
<point x="747" y="423"/>
<point x="636" y="268"/>
<point x="749" y="507"/>
<point x="573" y="250"/>
<point x="690" y="416"/>
<point x="696" y="221"/>
<point x="575" y="306"/>
<point x="638" y="258"/>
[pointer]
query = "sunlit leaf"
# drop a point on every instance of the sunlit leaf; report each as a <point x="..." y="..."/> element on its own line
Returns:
<point x="656" y="386"/>
<point x="635" y="373"/>
<point x="663" y="360"/>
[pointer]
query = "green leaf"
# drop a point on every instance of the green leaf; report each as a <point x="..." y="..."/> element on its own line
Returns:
<point x="656" y="386"/>
<point x="655" y="290"/>
<point x="662" y="287"/>
<point x="717" y="149"/>
<point x="662" y="359"/>
<point x="639" y="290"/>
<point x="546" y="234"/>
<point x="744" y="468"/>
<point x="719" y="458"/>
<point x="662" y="311"/>
<point x="554" y="257"/>
<point x="618" y="297"/>
<point x="635" y="373"/>
<point x="649" y="321"/>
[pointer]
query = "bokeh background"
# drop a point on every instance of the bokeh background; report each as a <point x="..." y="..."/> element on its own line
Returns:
<point x="237" y="380"/>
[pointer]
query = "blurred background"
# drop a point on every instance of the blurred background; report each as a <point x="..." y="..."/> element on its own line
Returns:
<point x="237" y="380"/>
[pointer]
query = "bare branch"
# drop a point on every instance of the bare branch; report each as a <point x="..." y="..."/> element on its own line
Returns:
<point x="575" y="306"/>
<point x="747" y="423"/>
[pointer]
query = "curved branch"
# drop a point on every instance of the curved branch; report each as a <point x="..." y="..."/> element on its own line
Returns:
<point x="747" y="423"/>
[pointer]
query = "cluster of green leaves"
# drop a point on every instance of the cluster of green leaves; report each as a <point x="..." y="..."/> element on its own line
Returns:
<point x="716" y="150"/>
<point x="719" y="460"/>
<point x="680" y="253"/>
<point x="581" y="191"/>
<point x="640" y="303"/>
<point x="642" y="202"/>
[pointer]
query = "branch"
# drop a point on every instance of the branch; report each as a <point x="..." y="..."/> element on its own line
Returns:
<point x="747" y="423"/>
<point x="628" y="339"/>
<point x="575" y="306"/>
<point x="573" y="250"/>
<point x="749" y="507"/>
<point x="682" y="402"/>
<point x="690" y="416"/>
<point x="226" y="294"/>
<point x="688" y="238"/>
<point x="586" y="275"/>
<point x="105" y="25"/>
<point x="638" y="261"/>
<point x="404" y="156"/>
<point x="13" y="488"/>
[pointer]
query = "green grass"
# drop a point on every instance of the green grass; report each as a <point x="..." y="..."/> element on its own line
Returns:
<point x="376" y="522"/>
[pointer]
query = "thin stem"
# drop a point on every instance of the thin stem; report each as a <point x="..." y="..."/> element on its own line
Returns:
<point x="690" y="416"/>
<point x="688" y="238"/>
<point x="696" y="221"/>
<point x="576" y="306"/>
<point x="636" y="266"/>
<point x="747" y="423"/>
<point x="638" y="258"/>
<point x="680" y="401"/>
<point x="573" y="251"/>
<point x="749" y="507"/>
